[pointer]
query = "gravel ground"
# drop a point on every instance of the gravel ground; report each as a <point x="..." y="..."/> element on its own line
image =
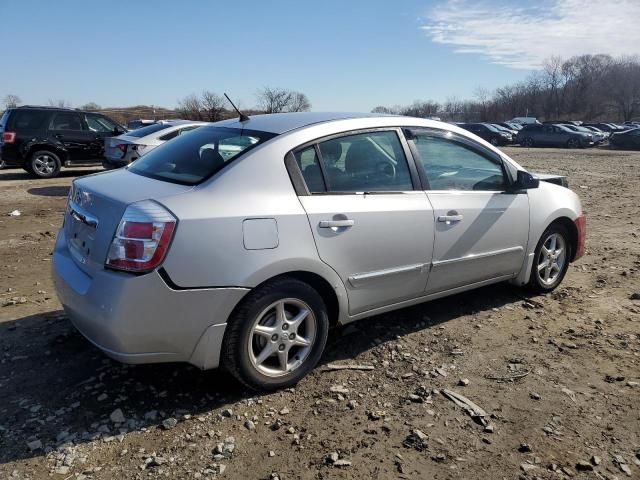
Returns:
<point x="557" y="375"/>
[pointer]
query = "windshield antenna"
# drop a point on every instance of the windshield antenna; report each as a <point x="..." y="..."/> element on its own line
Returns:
<point x="243" y="117"/>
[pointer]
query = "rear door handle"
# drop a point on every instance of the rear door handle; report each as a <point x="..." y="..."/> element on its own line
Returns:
<point x="336" y="223"/>
<point x="449" y="219"/>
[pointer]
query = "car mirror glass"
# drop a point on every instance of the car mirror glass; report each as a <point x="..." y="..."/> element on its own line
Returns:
<point x="525" y="181"/>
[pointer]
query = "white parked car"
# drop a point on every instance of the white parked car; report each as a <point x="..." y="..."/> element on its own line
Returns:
<point x="124" y="149"/>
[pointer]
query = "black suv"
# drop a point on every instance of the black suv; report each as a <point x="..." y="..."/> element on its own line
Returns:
<point x="42" y="139"/>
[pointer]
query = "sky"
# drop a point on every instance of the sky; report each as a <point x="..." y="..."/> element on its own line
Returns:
<point x="346" y="55"/>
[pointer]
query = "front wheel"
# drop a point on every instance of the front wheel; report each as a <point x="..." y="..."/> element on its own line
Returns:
<point x="44" y="164"/>
<point x="276" y="335"/>
<point x="573" y="143"/>
<point x="551" y="260"/>
<point x="494" y="141"/>
<point x="527" y="142"/>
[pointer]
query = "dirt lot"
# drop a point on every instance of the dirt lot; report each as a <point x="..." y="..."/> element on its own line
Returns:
<point x="558" y="375"/>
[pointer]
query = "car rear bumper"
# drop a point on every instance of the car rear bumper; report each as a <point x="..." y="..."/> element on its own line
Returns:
<point x="139" y="318"/>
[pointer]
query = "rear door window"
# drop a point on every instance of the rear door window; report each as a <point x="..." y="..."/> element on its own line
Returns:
<point x="365" y="162"/>
<point x="67" y="122"/>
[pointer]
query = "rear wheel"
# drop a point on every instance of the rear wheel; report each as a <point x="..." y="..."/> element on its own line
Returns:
<point x="551" y="260"/>
<point x="494" y="141"/>
<point x="44" y="164"/>
<point x="276" y="335"/>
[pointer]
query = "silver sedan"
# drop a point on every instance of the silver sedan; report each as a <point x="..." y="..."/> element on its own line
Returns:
<point x="241" y="243"/>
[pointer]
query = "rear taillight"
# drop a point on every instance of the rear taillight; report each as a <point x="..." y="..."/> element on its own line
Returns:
<point x="122" y="147"/>
<point x="8" y="137"/>
<point x="581" y="227"/>
<point x="143" y="237"/>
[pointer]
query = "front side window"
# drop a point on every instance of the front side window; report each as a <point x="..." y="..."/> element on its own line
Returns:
<point x="452" y="164"/>
<point x="191" y="159"/>
<point x="365" y="162"/>
<point x="97" y="123"/>
<point x="67" y="122"/>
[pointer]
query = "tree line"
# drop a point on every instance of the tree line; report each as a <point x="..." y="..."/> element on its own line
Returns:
<point x="585" y="87"/>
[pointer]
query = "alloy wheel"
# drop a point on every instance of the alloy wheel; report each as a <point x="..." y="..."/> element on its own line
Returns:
<point x="282" y="337"/>
<point x="44" y="164"/>
<point x="551" y="259"/>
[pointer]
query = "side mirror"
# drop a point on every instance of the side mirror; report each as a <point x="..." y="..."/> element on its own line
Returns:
<point x="525" y="181"/>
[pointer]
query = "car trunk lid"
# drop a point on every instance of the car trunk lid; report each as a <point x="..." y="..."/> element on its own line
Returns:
<point x="95" y="208"/>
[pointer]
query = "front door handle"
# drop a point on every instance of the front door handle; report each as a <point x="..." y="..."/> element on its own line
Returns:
<point x="449" y="219"/>
<point x="336" y="223"/>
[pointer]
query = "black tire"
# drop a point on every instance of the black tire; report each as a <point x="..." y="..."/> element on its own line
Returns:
<point x="238" y="338"/>
<point x="495" y="141"/>
<point x="536" y="284"/>
<point x="527" y="142"/>
<point x="2" y="164"/>
<point x="573" y="143"/>
<point x="27" y="167"/>
<point x="37" y="160"/>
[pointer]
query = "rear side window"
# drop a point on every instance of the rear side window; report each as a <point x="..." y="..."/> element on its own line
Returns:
<point x="309" y="165"/>
<point x="29" y="119"/>
<point x="365" y="162"/>
<point x="148" y="130"/>
<point x="191" y="159"/>
<point x="66" y="122"/>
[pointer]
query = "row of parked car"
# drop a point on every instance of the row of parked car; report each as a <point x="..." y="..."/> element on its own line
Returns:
<point x="43" y="139"/>
<point x="557" y="133"/>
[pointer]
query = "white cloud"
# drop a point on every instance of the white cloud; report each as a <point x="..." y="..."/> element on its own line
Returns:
<point x="511" y="35"/>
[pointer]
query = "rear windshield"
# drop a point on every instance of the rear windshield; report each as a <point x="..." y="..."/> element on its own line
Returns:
<point x="148" y="130"/>
<point x="193" y="157"/>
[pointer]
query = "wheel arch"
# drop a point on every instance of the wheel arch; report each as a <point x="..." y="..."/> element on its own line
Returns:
<point x="571" y="228"/>
<point x="320" y="285"/>
<point x="41" y="144"/>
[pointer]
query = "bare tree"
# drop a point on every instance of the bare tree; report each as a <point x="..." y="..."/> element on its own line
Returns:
<point x="91" y="106"/>
<point x="482" y="96"/>
<point x="384" y="110"/>
<point x="11" y="101"/>
<point x="422" y="109"/>
<point x="299" y="102"/>
<point x="191" y="108"/>
<point x="213" y="105"/>
<point x="274" y="100"/>
<point x="623" y="81"/>
<point x="61" y="103"/>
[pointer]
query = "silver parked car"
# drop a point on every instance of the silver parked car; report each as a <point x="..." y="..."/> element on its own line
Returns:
<point x="241" y="243"/>
<point x="128" y="147"/>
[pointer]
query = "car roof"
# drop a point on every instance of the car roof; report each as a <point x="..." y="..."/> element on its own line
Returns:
<point x="279" y="123"/>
